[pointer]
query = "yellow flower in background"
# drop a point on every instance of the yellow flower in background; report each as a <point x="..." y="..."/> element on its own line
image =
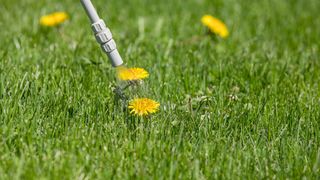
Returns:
<point x="130" y="74"/>
<point x="215" y="25"/>
<point x="54" y="19"/>
<point x="143" y="106"/>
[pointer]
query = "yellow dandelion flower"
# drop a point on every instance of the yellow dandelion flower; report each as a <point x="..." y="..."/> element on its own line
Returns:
<point x="215" y="25"/>
<point x="53" y="19"/>
<point x="130" y="74"/>
<point x="143" y="106"/>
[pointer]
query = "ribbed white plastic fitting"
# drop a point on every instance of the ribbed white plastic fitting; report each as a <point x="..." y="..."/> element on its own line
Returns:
<point x="103" y="34"/>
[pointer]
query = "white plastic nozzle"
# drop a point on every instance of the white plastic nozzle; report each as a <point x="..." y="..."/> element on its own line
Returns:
<point x="103" y="34"/>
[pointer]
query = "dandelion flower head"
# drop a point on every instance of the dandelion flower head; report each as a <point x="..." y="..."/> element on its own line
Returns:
<point x="53" y="19"/>
<point x="143" y="106"/>
<point x="215" y="25"/>
<point x="130" y="74"/>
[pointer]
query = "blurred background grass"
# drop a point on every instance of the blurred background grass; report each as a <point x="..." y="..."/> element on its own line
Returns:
<point x="244" y="107"/>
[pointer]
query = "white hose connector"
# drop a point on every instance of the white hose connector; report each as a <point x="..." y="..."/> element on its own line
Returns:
<point x="103" y="34"/>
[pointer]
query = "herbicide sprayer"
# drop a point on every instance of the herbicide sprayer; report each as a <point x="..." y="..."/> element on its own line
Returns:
<point x="138" y="106"/>
<point x="104" y="37"/>
<point x="103" y="34"/>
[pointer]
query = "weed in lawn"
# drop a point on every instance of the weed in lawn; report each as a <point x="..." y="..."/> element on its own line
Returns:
<point x="54" y="19"/>
<point x="131" y="87"/>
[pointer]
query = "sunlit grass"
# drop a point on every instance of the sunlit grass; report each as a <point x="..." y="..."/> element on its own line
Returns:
<point x="247" y="106"/>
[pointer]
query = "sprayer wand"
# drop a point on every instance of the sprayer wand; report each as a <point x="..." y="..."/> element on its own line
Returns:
<point x="103" y="34"/>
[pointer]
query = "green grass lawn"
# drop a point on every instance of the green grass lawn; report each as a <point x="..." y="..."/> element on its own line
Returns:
<point x="245" y="107"/>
